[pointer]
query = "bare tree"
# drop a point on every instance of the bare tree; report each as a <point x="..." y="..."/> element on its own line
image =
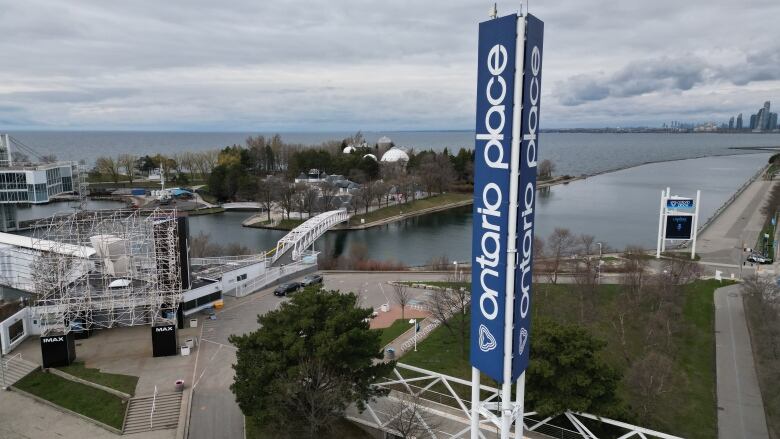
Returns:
<point x="546" y="169"/>
<point x="648" y="379"/>
<point x="559" y="245"/>
<point x="204" y="162"/>
<point x="267" y="193"/>
<point x="126" y="162"/>
<point x="308" y="196"/>
<point x="401" y="295"/>
<point x="635" y="275"/>
<point x="409" y="420"/>
<point x="328" y="190"/>
<point x="108" y="166"/>
<point x="450" y="307"/>
<point x="288" y="195"/>
<point x="766" y="294"/>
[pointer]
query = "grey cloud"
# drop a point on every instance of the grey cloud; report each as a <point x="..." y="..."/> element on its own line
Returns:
<point x="332" y="64"/>
<point x="637" y="78"/>
<point x="68" y="96"/>
<point x="763" y="65"/>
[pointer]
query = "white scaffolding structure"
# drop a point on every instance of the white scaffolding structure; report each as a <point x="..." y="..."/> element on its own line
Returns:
<point x="101" y="269"/>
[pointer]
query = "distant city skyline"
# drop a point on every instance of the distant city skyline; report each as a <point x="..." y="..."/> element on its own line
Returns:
<point x="339" y="66"/>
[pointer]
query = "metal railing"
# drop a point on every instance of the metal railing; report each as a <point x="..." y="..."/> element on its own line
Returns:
<point x="270" y="275"/>
<point x="151" y="413"/>
<point x="438" y="396"/>
<point x="303" y="236"/>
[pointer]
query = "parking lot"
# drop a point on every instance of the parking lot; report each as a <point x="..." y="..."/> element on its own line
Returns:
<point x="214" y="411"/>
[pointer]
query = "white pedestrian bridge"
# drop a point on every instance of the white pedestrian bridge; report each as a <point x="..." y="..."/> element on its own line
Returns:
<point x="303" y="236"/>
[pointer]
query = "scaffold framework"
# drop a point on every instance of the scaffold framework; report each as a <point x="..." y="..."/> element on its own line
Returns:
<point x="102" y="269"/>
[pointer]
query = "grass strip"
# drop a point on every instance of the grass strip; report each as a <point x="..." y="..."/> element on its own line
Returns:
<point x="411" y="207"/>
<point x="123" y="383"/>
<point x="80" y="398"/>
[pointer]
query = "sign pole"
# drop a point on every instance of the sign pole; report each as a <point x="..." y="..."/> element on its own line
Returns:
<point x="660" y="225"/>
<point x="695" y="224"/>
<point x="507" y="406"/>
<point x="475" y="402"/>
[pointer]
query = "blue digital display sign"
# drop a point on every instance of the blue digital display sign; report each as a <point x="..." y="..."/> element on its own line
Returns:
<point x="679" y="226"/>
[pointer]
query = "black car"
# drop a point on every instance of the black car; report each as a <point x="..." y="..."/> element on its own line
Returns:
<point x="311" y="280"/>
<point x="285" y="288"/>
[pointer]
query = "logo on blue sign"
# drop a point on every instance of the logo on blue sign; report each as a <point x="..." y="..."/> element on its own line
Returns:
<point x="686" y="203"/>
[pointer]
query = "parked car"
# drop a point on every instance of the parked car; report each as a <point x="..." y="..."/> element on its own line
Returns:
<point x="311" y="280"/>
<point x="285" y="288"/>
<point x="759" y="259"/>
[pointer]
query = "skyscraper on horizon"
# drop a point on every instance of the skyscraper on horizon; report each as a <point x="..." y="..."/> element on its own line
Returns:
<point x="731" y="123"/>
<point x="739" y="121"/>
<point x="762" y="118"/>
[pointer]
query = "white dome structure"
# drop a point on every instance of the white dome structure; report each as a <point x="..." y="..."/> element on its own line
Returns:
<point x="371" y="156"/>
<point x="394" y="155"/>
<point x="348" y="150"/>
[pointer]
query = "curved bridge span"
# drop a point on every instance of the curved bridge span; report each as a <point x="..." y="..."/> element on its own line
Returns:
<point x="303" y="236"/>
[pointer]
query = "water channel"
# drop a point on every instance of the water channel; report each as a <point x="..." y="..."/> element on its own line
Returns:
<point x="618" y="208"/>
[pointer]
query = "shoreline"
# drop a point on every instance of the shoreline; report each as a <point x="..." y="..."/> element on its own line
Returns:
<point x="544" y="184"/>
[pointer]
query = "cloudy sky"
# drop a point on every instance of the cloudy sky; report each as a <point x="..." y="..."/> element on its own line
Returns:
<point x="372" y="65"/>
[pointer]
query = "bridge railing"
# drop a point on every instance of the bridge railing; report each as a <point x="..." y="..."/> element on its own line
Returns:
<point x="301" y="237"/>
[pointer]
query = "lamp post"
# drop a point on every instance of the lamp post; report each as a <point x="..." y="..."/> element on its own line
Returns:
<point x="598" y="275"/>
<point x="413" y="322"/>
<point x="457" y="275"/>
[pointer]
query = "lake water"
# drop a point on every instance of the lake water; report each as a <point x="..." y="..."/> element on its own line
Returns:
<point x="618" y="208"/>
<point x="573" y="153"/>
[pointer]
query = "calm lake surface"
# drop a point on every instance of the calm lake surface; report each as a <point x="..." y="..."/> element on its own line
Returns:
<point x="618" y="208"/>
<point x="572" y="153"/>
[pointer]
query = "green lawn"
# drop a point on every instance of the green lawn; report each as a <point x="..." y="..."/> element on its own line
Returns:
<point x="688" y="409"/>
<point x="425" y="203"/>
<point x="88" y="401"/>
<point x="123" y="383"/>
<point x="290" y="223"/>
<point x="393" y="331"/>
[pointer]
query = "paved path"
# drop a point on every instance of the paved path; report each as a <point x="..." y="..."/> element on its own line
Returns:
<point x="740" y="223"/>
<point x="22" y="417"/>
<point x="740" y="408"/>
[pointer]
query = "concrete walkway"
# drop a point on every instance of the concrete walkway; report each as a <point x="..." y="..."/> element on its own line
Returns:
<point x="740" y="223"/>
<point x="740" y="407"/>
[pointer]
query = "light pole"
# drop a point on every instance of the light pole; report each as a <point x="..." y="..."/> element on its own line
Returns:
<point x="598" y="273"/>
<point x="413" y="322"/>
<point x="457" y="276"/>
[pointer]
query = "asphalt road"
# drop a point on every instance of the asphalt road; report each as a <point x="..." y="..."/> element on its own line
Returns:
<point x="214" y="412"/>
<point x="740" y="407"/>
